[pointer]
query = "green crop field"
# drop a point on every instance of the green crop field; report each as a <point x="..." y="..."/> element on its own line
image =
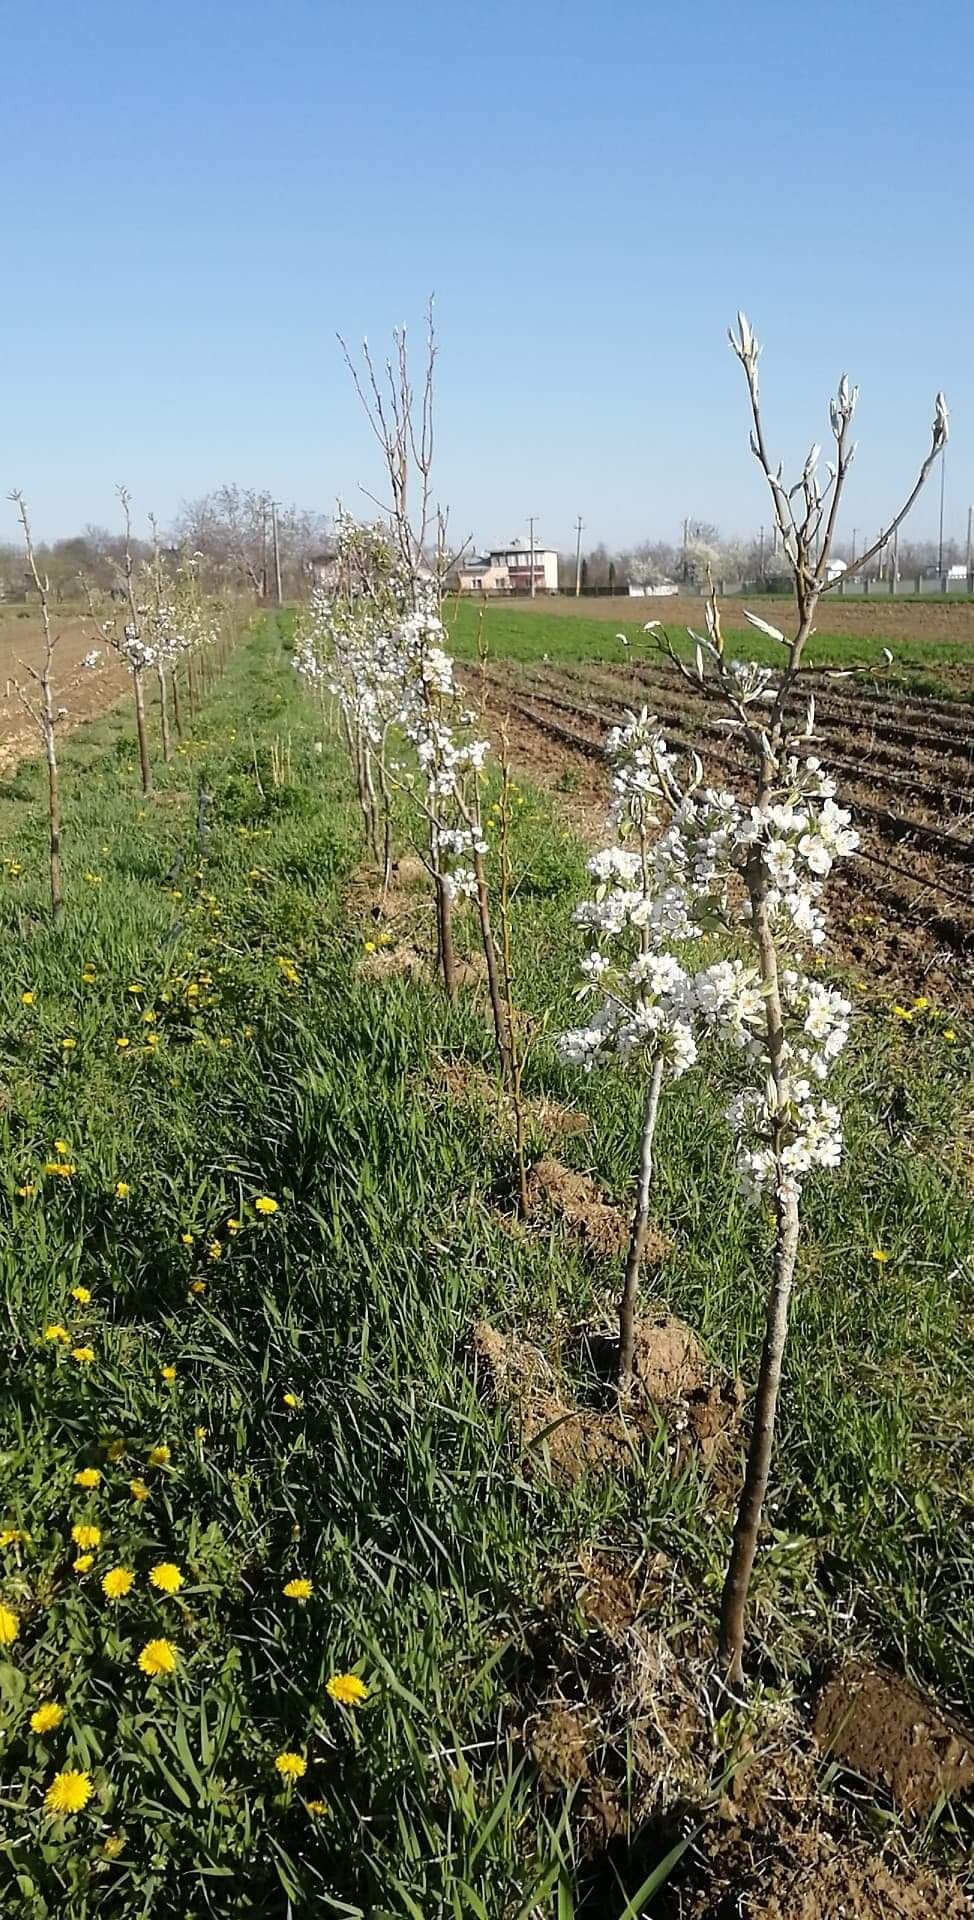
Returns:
<point x="529" y="633"/>
<point x="247" y="1233"/>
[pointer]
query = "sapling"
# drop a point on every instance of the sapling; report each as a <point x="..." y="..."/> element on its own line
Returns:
<point x="123" y="630"/>
<point x="42" y="712"/>
<point x="783" y="847"/>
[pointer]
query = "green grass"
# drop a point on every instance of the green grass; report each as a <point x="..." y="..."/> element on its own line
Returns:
<point x="522" y="633"/>
<point x="434" y="1553"/>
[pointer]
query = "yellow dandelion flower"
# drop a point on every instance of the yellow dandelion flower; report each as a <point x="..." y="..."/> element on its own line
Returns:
<point x="264" y="1204"/>
<point x="298" y="1590"/>
<point x="233" y="1226"/>
<point x="950" y="1036"/>
<point x="28" y="999"/>
<point x="198" y="1286"/>
<point x="166" y="1576"/>
<point x="290" y="1399"/>
<point x="168" y="1374"/>
<point x="113" y="1845"/>
<point x="316" y="1807"/>
<point x="214" y="1250"/>
<point x="122" y="1042"/>
<point x="291" y="1766"/>
<point x="88" y="977"/>
<point x="82" y="1295"/>
<point x="149" y="1016"/>
<point x="69" y="1792"/>
<point x="25" y="1192"/>
<point x="347" y="1689"/>
<point x="84" y="1355"/>
<point x="370" y="946"/>
<point x="151" y="1040"/>
<point x="11" y="1537"/>
<point x="68" y="1045"/>
<point x="84" y="1535"/>
<point x="61" y="1146"/>
<point x="159" y="1456"/>
<point x="117" y="1583"/>
<point x="122" y="1189"/>
<point x="201" y="1433"/>
<point x="136" y="987"/>
<point x="158" y="1657"/>
<point x="88" y="1477"/>
<point x="880" y="1256"/>
<point x="138" y="1490"/>
<point x="84" y="1563"/>
<point x="188" y="1239"/>
<point x="46" y="1717"/>
<point x="9" y="1626"/>
<point x="921" y="1005"/>
<point x="54" y="1331"/>
<point x="902" y="1013"/>
<point x="63" y="1169"/>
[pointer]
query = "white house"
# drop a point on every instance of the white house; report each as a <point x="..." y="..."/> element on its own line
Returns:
<point x="509" y="570"/>
<point x="661" y="590"/>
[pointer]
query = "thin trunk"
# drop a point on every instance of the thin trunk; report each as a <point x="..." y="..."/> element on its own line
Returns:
<point x="733" y="1609"/>
<point x="386" y="824"/>
<point x="145" y="763"/>
<point x="637" y="1237"/>
<point x="444" y="931"/>
<point x="176" y="704"/>
<point x="191" y="685"/>
<point x="54" y="812"/>
<point x="164" y="716"/>
<point x="501" y="1025"/>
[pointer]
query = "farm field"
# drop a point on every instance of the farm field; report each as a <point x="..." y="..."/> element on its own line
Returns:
<point x="83" y="694"/>
<point x="904" y="911"/>
<point x="437" y="1648"/>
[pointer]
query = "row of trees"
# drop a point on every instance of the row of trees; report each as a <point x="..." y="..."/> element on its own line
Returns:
<point x="685" y="859"/>
<point x="758" y="564"/>
<point x="238" y="539"/>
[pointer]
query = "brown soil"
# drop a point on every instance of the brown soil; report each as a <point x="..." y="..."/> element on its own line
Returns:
<point x="85" y="694"/>
<point x="813" y="1875"/>
<point x="574" y="1199"/>
<point x="702" y="1415"/>
<point x="881" y="1727"/>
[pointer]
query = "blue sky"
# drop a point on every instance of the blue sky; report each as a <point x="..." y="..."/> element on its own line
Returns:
<point x="197" y="196"/>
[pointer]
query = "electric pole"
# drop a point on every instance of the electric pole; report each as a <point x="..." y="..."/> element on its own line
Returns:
<point x="940" y="548"/>
<point x="578" y="554"/>
<point x="531" y="520"/>
<point x="277" y="555"/>
<point x="970" y="549"/>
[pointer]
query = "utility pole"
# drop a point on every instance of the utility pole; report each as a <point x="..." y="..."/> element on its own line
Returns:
<point x="686" y="542"/>
<point x="531" y="520"/>
<point x="940" y="548"/>
<point x="578" y="554"/>
<point x="761" y="554"/>
<point x="277" y="555"/>
<point x="970" y="549"/>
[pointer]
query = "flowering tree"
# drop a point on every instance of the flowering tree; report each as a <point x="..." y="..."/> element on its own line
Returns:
<point x="783" y="846"/>
<point x="123" y="629"/>
<point x="41" y="710"/>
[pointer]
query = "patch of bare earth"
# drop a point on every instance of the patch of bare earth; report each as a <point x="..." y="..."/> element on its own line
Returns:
<point x="575" y="1201"/>
<point x="673" y="1384"/>
<point x="880" y="1726"/>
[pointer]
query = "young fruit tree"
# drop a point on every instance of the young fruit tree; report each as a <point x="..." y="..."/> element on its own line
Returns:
<point x="123" y="629"/>
<point x="41" y="710"/>
<point x="782" y="848"/>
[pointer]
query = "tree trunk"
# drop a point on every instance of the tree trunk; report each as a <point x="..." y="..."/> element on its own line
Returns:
<point x="637" y="1238"/>
<point x="145" y="763"/>
<point x="501" y="1027"/>
<point x="54" y="816"/>
<point x="444" y="930"/>
<point x="733" y="1608"/>
<point x="177" y="704"/>
<point x="164" y="715"/>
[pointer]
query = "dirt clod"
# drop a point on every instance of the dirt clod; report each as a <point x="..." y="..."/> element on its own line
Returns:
<point x="560" y="1193"/>
<point x="402" y="962"/>
<point x="878" y="1725"/>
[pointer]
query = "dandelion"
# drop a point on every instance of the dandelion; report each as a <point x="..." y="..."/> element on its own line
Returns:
<point x="46" y="1717"/>
<point x="347" y="1689"/>
<point x="136" y="988"/>
<point x="201" y="1433"/>
<point x="291" y="1766"/>
<point x="265" y="1205"/>
<point x="113" y="1845"/>
<point x="9" y="1626"/>
<point x="63" y="1169"/>
<point x="921" y="1005"/>
<point x="122" y="1042"/>
<point x="68" y="1044"/>
<point x="117" y="1583"/>
<point x="11" y="1537"/>
<point x="168" y="1374"/>
<point x="122" y="1189"/>
<point x="316" y="1807"/>
<point x="166" y="1576"/>
<point x="198" y="1286"/>
<point x="188" y="1239"/>
<point x="61" y="1146"/>
<point x="159" y="1456"/>
<point x="88" y="1477"/>
<point x="880" y="1256"/>
<point x="83" y="1564"/>
<point x="69" y="1792"/>
<point x="214" y="1250"/>
<point x="138" y="1490"/>
<point x="298" y="1590"/>
<point x="54" y="1331"/>
<point x="89" y="976"/>
<point x="950" y="1036"/>
<point x="84" y="1535"/>
<point x="902" y="1013"/>
<point x="82" y="1295"/>
<point x="233" y="1226"/>
<point x="84" y="1355"/>
<point x="158" y="1657"/>
<point x="25" y="1192"/>
<point x="28" y="999"/>
<point x="370" y="946"/>
<point x="290" y="1399"/>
